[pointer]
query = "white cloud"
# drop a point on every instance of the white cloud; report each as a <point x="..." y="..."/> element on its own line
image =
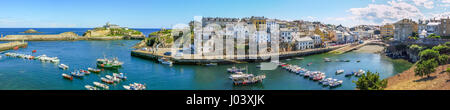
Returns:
<point x="425" y="3"/>
<point x="381" y="13"/>
<point x="445" y="3"/>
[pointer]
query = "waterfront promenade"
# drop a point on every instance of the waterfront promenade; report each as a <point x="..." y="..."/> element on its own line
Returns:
<point x="199" y="59"/>
<point x="351" y="47"/>
<point x="11" y="45"/>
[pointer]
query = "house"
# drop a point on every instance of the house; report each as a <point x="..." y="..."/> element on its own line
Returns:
<point x="444" y="29"/>
<point x="317" y="40"/>
<point x="387" y="30"/>
<point x="403" y="29"/>
<point x="286" y="35"/>
<point x="302" y="43"/>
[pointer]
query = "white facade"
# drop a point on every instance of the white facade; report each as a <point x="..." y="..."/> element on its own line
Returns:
<point x="433" y="28"/>
<point x="317" y="40"/>
<point x="304" y="43"/>
<point x="286" y="35"/>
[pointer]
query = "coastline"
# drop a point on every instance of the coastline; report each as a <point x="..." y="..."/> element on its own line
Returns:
<point x="64" y="38"/>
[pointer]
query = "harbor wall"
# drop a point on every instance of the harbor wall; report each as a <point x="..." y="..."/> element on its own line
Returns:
<point x="11" y="45"/>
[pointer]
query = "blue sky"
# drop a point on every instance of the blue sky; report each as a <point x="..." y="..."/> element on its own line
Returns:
<point x="166" y="13"/>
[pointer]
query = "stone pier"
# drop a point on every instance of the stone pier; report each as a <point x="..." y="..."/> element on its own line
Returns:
<point x="11" y="45"/>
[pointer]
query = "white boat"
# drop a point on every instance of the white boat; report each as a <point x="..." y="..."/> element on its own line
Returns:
<point x="120" y="76"/>
<point x="89" y="87"/>
<point x="115" y="79"/>
<point x="63" y="66"/>
<point x="240" y="75"/>
<point x="101" y="85"/>
<point x="339" y="71"/>
<point x="135" y="86"/>
<point x="211" y="64"/>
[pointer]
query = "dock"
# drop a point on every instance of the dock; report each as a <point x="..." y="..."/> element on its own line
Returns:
<point x="199" y="60"/>
<point x="11" y="45"/>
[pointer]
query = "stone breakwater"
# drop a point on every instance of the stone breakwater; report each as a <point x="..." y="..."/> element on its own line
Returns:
<point x="11" y="45"/>
<point x="63" y="36"/>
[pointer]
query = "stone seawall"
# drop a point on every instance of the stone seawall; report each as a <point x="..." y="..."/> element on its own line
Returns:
<point x="11" y="45"/>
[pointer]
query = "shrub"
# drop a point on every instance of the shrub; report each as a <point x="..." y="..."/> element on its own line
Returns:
<point x="370" y="81"/>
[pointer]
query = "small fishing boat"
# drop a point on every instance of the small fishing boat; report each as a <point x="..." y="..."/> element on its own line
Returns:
<point x="358" y="61"/>
<point x="85" y="72"/>
<point x="348" y="74"/>
<point x="339" y="71"/>
<point x="115" y="79"/>
<point x="98" y="84"/>
<point x="135" y="86"/>
<point x="67" y="76"/>
<point x="240" y="75"/>
<point x="234" y="70"/>
<point x="108" y="81"/>
<point x="89" y="87"/>
<point x="77" y="74"/>
<point x="327" y="59"/>
<point x="288" y="59"/>
<point x="107" y="63"/>
<point x="211" y="64"/>
<point x="63" y="66"/>
<point x="120" y="76"/>
<point x="94" y="70"/>
<point x="309" y="64"/>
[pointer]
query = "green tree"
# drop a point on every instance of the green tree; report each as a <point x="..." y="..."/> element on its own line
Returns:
<point x="425" y="67"/>
<point x="447" y="44"/>
<point x="428" y="54"/>
<point x="443" y="59"/>
<point x="433" y="36"/>
<point x="443" y="49"/>
<point x="370" y="81"/>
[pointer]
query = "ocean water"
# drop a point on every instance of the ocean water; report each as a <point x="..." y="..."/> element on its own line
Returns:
<point x="21" y="74"/>
<point x="79" y="31"/>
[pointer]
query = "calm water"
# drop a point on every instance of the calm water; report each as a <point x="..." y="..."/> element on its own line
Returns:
<point x="79" y="31"/>
<point x="32" y="74"/>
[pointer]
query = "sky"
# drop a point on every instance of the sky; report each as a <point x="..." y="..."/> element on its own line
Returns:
<point x="167" y="13"/>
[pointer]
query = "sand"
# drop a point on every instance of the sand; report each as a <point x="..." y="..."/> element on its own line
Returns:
<point x="370" y="49"/>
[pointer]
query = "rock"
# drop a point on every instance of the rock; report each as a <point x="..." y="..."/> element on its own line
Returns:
<point x="31" y="31"/>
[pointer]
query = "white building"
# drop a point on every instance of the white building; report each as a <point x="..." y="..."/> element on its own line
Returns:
<point x="286" y="35"/>
<point x="340" y="38"/>
<point x="302" y="43"/>
<point x="317" y="40"/>
<point x="433" y="28"/>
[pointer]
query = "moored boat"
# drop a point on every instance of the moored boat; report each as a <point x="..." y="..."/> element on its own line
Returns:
<point x="135" y="86"/>
<point x="120" y="76"/>
<point x="108" y="81"/>
<point x="94" y="70"/>
<point x="339" y="71"/>
<point x="211" y="64"/>
<point x="98" y="84"/>
<point x="107" y="63"/>
<point x="89" y="87"/>
<point x="77" y="74"/>
<point x="67" y="76"/>
<point x="63" y="66"/>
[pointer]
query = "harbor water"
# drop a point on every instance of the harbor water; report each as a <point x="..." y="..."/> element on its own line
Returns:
<point x="22" y="74"/>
